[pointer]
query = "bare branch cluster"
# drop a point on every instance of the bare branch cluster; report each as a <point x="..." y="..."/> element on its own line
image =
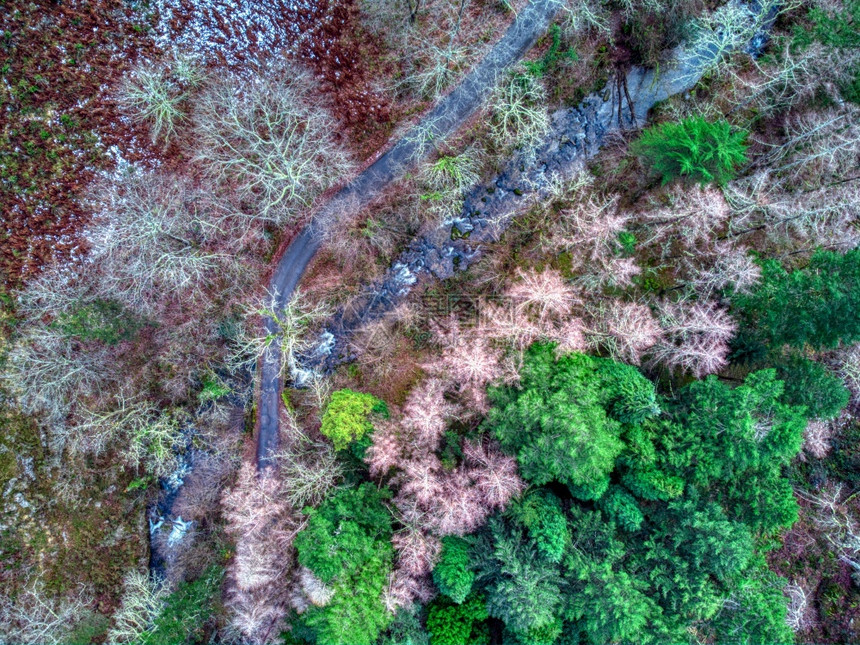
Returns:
<point x="35" y="617"/>
<point x="47" y="371"/>
<point x="518" y="111"/>
<point x="270" y="140"/>
<point x="155" y="93"/>
<point x="626" y="330"/>
<point x="156" y="240"/>
<point x="308" y="468"/>
<point x="291" y="324"/>
<point x="722" y="32"/>
<point x="264" y="526"/>
<point x="695" y="337"/>
<point x="142" y="601"/>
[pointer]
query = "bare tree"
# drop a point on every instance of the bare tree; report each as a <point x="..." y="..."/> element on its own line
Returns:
<point x="292" y="323"/>
<point x="426" y="412"/>
<point x="154" y="240"/>
<point x="447" y="179"/>
<point x="154" y="98"/>
<point x="263" y="525"/>
<point x="819" y="145"/>
<point x="589" y="229"/>
<point x="544" y="294"/>
<point x="625" y="329"/>
<point x="35" y="617"/>
<point x="692" y="214"/>
<point x="518" y="111"/>
<point x="308" y="468"/>
<point x="801" y="614"/>
<point x="836" y="514"/>
<point x="267" y="136"/>
<point x="695" y="337"/>
<point x="770" y="87"/>
<point x="467" y="360"/>
<point x="722" y="32"/>
<point x="728" y="265"/>
<point x="581" y="16"/>
<point x="435" y="50"/>
<point x="817" y="436"/>
<point x="48" y="371"/>
<point x="142" y="601"/>
<point x="848" y="361"/>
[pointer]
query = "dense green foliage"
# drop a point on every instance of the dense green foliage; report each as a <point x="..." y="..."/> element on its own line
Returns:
<point x="452" y="574"/>
<point x="541" y="514"/>
<point x="346" y="417"/>
<point x="695" y="149"/>
<point x="564" y="420"/>
<point x="553" y="56"/>
<point x="452" y="624"/>
<point x="102" y="320"/>
<point x="186" y="611"/>
<point x="671" y="540"/>
<point x="347" y="544"/>
<point x="811" y="385"/>
<point x="841" y="30"/>
<point x="816" y="305"/>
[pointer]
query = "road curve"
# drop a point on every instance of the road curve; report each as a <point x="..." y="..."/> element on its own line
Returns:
<point x="444" y="119"/>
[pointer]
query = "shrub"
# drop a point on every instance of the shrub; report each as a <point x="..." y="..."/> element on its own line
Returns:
<point x="106" y="321"/>
<point x="519" y="115"/>
<point x="155" y="98"/>
<point x="850" y="87"/>
<point x="554" y="55"/>
<point x="695" y="149"/>
<point x="346" y="417"/>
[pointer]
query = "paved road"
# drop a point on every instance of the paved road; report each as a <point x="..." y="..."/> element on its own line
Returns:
<point x="444" y="119"/>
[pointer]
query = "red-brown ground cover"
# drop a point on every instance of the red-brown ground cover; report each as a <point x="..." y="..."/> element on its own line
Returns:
<point x="58" y="61"/>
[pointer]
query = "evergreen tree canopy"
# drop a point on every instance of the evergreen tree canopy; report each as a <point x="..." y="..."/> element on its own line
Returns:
<point x="670" y="544"/>
<point x="453" y="624"/>
<point x="811" y="385"/>
<point x="815" y="306"/>
<point x="347" y="544"/>
<point x="452" y="573"/>
<point x="563" y="422"/>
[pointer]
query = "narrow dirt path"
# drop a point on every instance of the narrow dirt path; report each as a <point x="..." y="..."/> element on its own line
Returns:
<point x="444" y="119"/>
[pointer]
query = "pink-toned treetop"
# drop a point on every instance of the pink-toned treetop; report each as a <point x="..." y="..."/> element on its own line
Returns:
<point x="544" y="293"/>
<point x="426" y="412"/>
<point x="631" y="328"/>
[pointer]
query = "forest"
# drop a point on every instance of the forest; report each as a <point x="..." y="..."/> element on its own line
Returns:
<point x="430" y="322"/>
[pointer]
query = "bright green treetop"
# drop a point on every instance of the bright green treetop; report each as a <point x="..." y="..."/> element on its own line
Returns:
<point x="556" y="421"/>
<point x="347" y="544"/>
<point x="696" y="149"/>
<point x="346" y="417"/>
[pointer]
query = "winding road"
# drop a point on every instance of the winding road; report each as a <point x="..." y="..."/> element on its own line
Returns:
<point x="441" y="121"/>
<point x="576" y="135"/>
